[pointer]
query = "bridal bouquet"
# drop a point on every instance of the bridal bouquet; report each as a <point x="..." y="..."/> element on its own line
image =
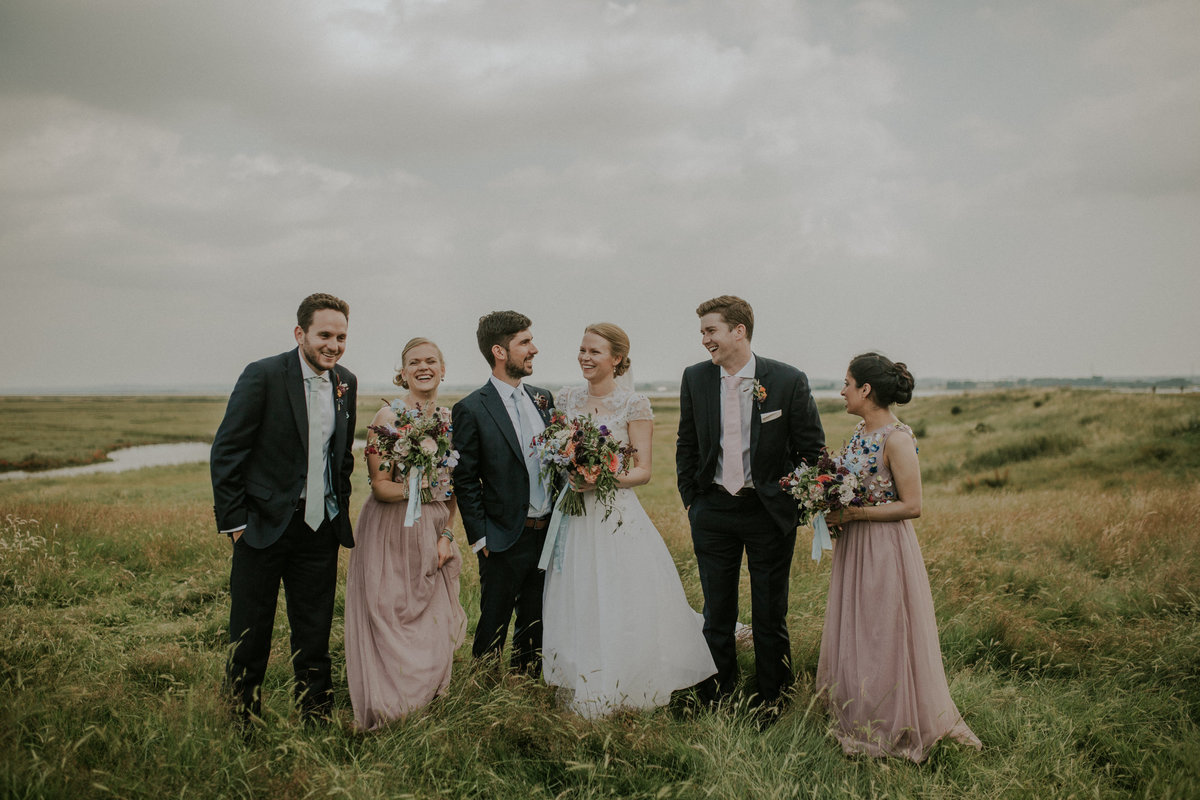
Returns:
<point x="582" y="448"/>
<point x="832" y="484"/>
<point x="417" y="445"/>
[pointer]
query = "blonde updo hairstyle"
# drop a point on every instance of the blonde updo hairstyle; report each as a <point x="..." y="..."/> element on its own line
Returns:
<point x="416" y="341"/>
<point x="618" y="343"/>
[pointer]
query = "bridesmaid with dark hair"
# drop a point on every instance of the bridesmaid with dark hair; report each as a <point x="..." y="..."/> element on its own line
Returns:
<point x="880" y="669"/>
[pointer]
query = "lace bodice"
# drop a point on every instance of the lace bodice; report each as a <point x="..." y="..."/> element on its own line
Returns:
<point x="615" y="410"/>
<point x="866" y="449"/>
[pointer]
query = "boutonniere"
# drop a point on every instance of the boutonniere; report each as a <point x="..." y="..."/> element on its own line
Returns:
<point x="541" y="401"/>
<point x="340" y="392"/>
<point x="759" y="391"/>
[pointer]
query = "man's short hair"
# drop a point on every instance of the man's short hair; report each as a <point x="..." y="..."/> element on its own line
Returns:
<point x="317" y="302"/>
<point x="498" y="328"/>
<point x="734" y="311"/>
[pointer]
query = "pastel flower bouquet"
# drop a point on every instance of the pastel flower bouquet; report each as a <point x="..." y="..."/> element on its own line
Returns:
<point x="416" y="446"/>
<point x="582" y="449"/>
<point x="832" y="484"/>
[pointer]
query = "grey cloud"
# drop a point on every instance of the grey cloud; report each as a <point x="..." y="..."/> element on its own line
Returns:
<point x="432" y="161"/>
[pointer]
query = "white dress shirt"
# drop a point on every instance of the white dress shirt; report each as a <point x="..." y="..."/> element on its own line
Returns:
<point x="327" y="420"/>
<point x="746" y="402"/>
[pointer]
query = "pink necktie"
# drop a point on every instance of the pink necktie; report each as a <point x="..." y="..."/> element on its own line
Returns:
<point x="731" y="436"/>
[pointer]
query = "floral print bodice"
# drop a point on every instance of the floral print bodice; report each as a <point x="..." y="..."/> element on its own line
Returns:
<point x="616" y="410"/>
<point x="864" y="454"/>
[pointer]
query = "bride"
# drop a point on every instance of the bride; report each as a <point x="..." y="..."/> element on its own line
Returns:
<point x="618" y="630"/>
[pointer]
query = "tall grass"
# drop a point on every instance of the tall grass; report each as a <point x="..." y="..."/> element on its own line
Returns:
<point x="1067" y="602"/>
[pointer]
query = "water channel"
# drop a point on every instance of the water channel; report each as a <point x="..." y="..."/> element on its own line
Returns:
<point x="148" y="455"/>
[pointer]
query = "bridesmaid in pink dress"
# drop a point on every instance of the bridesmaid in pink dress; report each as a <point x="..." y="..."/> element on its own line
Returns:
<point x="880" y="668"/>
<point x="403" y="616"/>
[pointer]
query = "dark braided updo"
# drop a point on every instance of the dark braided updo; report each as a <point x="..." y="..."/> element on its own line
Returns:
<point x="890" y="381"/>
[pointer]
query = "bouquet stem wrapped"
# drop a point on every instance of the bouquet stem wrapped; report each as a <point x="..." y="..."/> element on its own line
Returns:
<point x="832" y="484"/>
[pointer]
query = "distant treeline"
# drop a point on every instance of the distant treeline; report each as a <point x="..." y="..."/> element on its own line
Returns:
<point x="1096" y="382"/>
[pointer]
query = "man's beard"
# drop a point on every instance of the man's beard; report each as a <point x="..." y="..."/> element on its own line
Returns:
<point x="515" y="370"/>
<point x="313" y="356"/>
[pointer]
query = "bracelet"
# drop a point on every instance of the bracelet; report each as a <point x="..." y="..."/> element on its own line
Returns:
<point x="447" y="534"/>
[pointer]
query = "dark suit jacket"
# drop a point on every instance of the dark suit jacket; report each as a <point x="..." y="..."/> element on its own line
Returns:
<point x="776" y="446"/>
<point x="490" y="481"/>
<point x="259" y="459"/>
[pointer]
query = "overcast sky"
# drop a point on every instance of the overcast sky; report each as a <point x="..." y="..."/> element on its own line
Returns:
<point x="982" y="190"/>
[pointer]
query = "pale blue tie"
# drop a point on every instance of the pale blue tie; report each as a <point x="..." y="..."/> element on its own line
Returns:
<point x="314" y="486"/>
<point x="537" y="493"/>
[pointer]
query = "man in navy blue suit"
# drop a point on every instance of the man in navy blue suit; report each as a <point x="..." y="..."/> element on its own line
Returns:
<point x="504" y="503"/>
<point x="281" y="463"/>
<point x="744" y="422"/>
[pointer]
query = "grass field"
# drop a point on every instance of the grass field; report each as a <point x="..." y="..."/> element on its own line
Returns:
<point x="1060" y="532"/>
<point x="48" y="432"/>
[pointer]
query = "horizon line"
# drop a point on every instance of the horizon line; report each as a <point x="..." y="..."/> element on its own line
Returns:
<point x="819" y="384"/>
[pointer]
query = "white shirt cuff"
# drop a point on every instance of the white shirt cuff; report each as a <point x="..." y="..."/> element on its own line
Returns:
<point x="235" y="530"/>
<point x="479" y="544"/>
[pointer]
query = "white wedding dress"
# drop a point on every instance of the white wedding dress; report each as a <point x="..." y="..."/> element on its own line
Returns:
<point x="618" y="630"/>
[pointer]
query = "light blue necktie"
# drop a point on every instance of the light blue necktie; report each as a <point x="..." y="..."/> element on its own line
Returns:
<point x="537" y="493"/>
<point x="314" y="486"/>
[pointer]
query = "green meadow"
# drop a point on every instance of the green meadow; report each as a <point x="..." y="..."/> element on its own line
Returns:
<point x="1060" y="533"/>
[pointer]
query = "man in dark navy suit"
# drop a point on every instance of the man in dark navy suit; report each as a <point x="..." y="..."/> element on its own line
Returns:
<point x="504" y="503"/>
<point x="744" y="422"/>
<point x="281" y="463"/>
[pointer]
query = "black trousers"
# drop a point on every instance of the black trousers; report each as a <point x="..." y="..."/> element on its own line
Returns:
<point x="306" y="563"/>
<point x="511" y="581"/>
<point x="723" y="526"/>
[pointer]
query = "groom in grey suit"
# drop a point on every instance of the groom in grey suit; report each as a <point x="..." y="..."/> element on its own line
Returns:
<point x="744" y="422"/>
<point x="504" y="503"/>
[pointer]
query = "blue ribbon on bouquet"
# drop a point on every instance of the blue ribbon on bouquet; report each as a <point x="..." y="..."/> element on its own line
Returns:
<point x="414" y="498"/>
<point x="552" y="549"/>
<point x="821" y="538"/>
